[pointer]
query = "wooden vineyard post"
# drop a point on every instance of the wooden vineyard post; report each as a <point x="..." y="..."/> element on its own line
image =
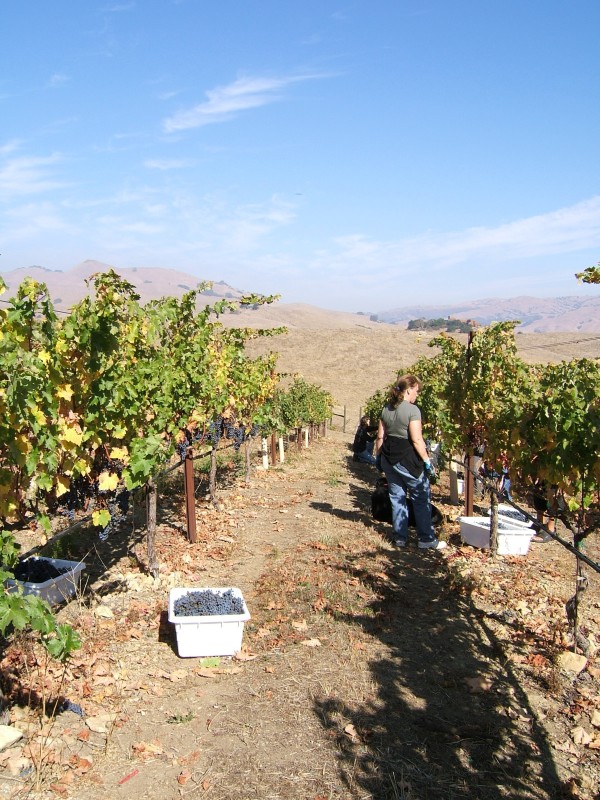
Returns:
<point x="248" y="459"/>
<point x="212" y="477"/>
<point x="151" y="493"/>
<point x="469" y="485"/>
<point x="273" y="449"/>
<point x="454" y="498"/>
<point x="299" y="438"/>
<point x="306" y="437"/>
<point x="190" y="497"/>
<point x="281" y="450"/>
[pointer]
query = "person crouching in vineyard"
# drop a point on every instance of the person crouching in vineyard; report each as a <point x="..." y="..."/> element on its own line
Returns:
<point x="364" y="441"/>
<point x="546" y="512"/>
<point x="406" y="463"/>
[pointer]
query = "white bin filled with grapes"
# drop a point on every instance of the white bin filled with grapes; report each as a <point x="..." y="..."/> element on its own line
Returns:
<point x="208" y="622"/>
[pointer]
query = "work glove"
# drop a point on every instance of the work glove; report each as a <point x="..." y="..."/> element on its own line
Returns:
<point x="430" y="471"/>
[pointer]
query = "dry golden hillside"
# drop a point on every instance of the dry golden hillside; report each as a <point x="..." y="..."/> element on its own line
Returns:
<point x="353" y="362"/>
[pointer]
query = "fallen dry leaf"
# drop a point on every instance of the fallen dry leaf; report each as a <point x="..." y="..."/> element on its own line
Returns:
<point x="147" y="749"/>
<point x="300" y="626"/>
<point x="244" y="655"/>
<point x="580" y="735"/>
<point x="311" y="643"/>
<point x="184" y="776"/>
<point x="566" y="747"/>
<point x="203" y="672"/>
<point x="351" y="732"/>
<point x="79" y="764"/>
<point x="479" y="684"/>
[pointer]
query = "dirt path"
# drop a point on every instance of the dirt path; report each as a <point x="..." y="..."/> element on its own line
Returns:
<point x="367" y="672"/>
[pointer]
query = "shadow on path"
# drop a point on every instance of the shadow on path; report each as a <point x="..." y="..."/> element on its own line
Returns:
<point x="447" y="717"/>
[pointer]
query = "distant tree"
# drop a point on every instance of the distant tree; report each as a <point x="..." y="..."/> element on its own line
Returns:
<point x="374" y="317"/>
<point x="589" y="275"/>
<point x="441" y="324"/>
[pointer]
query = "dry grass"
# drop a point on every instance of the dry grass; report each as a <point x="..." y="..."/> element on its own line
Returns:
<point x="352" y="363"/>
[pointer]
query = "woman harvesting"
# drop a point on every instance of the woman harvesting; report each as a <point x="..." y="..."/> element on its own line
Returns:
<point x="406" y="463"/>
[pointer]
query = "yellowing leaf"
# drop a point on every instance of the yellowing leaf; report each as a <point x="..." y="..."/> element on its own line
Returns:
<point x="62" y="485"/>
<point x="65" y="392"/>
<point x="119" y="431"/>
<point x="23" y="443"/>
<point x="81" y="467"/>
<point x="108" y="481"/>
<point x="101" y="518"/>
<point x="119" y="454"/>
<point x="71" y="436"/>
<point x="44" y="356"/>
<point x="39" y="416"/>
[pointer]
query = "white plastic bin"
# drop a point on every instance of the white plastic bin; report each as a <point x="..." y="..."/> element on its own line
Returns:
<point x="211" y="635"/>
<point x="513" y="541"/>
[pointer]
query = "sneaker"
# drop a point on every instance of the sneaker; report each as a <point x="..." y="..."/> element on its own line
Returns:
<point x="541" y="536"/>
<point x="399" y="542"/>
<point x="434" y="544"/>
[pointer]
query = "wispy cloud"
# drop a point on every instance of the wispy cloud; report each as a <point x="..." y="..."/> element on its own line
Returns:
<point x="25" y="222"/>
<point x="565" y="230"/>
<point x="249" y="225"/>
<point x="168" y="163"/>
<point x="58" y="79"/>
<point x="10" y="146"/>
<point x="28" y="175"/>
<point x="225" y="102"/>
<point x="169" y="94"/>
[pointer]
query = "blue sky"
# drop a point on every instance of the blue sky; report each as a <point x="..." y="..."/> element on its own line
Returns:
<point x="353" y="155"/>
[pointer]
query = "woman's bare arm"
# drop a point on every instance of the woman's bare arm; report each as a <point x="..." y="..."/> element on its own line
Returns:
<point x="416" y="436"/>
<point x="380" y="438"/>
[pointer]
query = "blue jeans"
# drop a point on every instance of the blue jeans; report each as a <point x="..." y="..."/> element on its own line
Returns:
<point x="366" y="457"/>
<point x="400" y="481"/>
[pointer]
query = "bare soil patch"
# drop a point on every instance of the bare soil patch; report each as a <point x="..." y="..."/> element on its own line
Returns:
<point x="367" y="672"/>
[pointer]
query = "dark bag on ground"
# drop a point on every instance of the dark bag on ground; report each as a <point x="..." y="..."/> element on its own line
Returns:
<point x="381" y="506"/>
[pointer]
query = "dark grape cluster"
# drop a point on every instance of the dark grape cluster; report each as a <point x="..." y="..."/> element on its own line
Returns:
<point x="505" y="526"/>
<point x="78" y="496"/>
<point x="208" y="603"/>
<point x="239" y="436"/>
<point x="181" y="449"/>
<point x="215" y="431"/>
<point x="37" y="570"/>
<point x="118" y="508"/>
<point x="514" y="514"/>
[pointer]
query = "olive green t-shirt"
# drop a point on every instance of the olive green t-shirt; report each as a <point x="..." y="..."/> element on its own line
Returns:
<point x="396" y="420"/>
